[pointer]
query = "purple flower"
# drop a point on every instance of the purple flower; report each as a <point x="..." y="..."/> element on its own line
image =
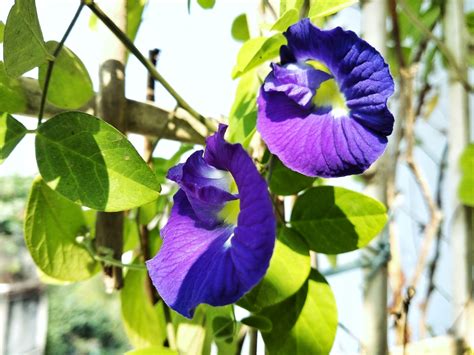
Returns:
<point x="323" y="110"/>
<point x="219" y="238"/>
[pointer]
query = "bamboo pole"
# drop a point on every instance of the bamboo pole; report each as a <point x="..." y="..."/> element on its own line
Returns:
<point x="143" y="118"/>
<point x="374" y="337"/>
<point x="111" y="107"/>
<point x="459" y="217"/>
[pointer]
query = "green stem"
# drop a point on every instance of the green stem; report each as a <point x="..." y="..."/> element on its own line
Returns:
<point x="114" y="262"/>
<point x="49" y="71"/>
<point x="86" y="242"/>
<point x="148" y="64"/>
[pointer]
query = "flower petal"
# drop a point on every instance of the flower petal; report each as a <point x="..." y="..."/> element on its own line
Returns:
<point x="316" y="144"/>
<point x="206" y="187"/>
<point x="298" y="81"/>
<point x="219" y="264"/>
<point x="328" y="141"/>
<point x="358" y="68"/>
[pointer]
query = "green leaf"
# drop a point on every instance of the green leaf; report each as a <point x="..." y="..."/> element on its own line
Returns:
<point x="134" y="17"/>
<point x="144" y="322"/>
<point x="11" y="133"/>
<point x="155" y="350"/>
<point x="305" y="323"/>
<point x="223" y="327"/>
<point x="12" y="97"/>
<point x="93" y="164"/>
<point x="286" y="20"/>
<point x="466" y="185"/>
<point x="286" y="5"/>
<point x="332" y="259"/>
<point x="148" y="212"/>
<point x="289" y="268"/>
<point x="409" y="32"/>
<point x="52" y="224"/>
<point x="335" y="220"/>
<point x="131" y="238"/>
<point x="257" y="51"/>
<point x="284" y="181"/>
<point x="322" y="8"/>
<point x="2" y="29"/>
<point x="70" y="85"/>
<point x="23" y="47"/>
<point x="470" y="22"/>
<point x="243" y="114"/>
<point x="261" y="323"/>
<point x="93" y="21"/>
<point x="224" y="345"/>
<point x="191" y="337"/>
<point x="206" y="4"/>
<point x="240" y="28"/>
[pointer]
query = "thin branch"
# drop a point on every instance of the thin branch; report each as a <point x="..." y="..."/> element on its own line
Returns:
<point x="434" y="262"/>
<point x="143" y="118"/>
<point x="253" y="336"/>
<point x="86" y="242"/>
<point x="406" y="309"/>
<point x="395" y="272"/>
<point x="439" y="43"/>
<point x="113" y="262"/>
<point x="266" y="4"/>
<point x="142" y="59"/>
<point x="424" y="43"/>
<point x="240" y="339"/>
<point x="352" y="335"/>
<point x="392" y="5"/>
<point x="50" y="68"/>
<point x="432" y="226"/>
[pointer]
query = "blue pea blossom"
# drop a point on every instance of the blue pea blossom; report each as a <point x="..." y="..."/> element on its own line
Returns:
<point x="323" y="109"/>
<point x="220" y="236"/>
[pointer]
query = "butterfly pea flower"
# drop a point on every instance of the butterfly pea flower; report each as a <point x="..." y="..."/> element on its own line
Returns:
<point x="323" y="109"/>
<point x="220" y="235"/>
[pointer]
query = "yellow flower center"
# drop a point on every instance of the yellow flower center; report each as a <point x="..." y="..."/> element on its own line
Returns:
<point x="328" y="93"/>
<point x="231" y="210"/>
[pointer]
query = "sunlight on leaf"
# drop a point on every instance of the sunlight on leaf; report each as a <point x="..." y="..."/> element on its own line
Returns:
<point x="257" y="51"/>
<point x="240" y="28"/>
<point x="91" y="163"/>
<point x="243" y="114"/>
<point x="70" y="85"/>
<point x="289" y="268"/>
<point x="52" y="224"/>
<point x="206" y="4"/>
<point x="284" y="181"/>
<point x="305" y="323"/>
<point x="2" y="29"/>
<point x="12" y="97"/>
<point x="321" y="8"/>
<point x="335" y="220"/>
<point x="144" y="322"/>
<point x="24" y="47"/>
<point x="11" y="133"/>
<point x="286" y="5"/>
<point x="286" y="20"/>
